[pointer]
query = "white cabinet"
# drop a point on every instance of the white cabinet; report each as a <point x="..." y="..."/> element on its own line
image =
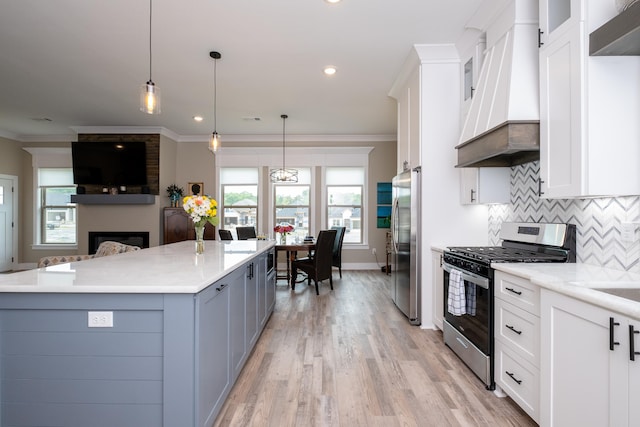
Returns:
<point x="438" y="288"/>
<point x="517" y="341"/>
<point x="588" y="377"/>
<point x="588" y="106"/>
<point x="408" y="123"/>
<point x="484" y="185"/>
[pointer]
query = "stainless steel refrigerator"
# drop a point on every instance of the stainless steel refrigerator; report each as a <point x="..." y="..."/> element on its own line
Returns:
<point x="405" y="232"/>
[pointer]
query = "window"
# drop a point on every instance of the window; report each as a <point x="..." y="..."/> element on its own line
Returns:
<point x="239" y="198"/>
<point x="345" y="194"/>
<point x="292" y="207"/>
<point x="57" y="213"/>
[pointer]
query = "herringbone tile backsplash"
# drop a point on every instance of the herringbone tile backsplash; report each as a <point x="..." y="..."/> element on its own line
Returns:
<point x="598" y="221"/>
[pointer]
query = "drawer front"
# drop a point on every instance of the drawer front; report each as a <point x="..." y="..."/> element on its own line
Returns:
<point x="518" y="379"/>
<point x="519" y="330"/>
<point x="518" y="291"/>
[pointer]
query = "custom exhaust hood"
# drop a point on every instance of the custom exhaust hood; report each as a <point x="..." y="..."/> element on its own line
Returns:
<point x="502" y="126"/>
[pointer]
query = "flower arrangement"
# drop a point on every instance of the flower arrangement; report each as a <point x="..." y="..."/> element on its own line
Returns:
<point x="202" y="209"/>
<point x="283" y="228"/>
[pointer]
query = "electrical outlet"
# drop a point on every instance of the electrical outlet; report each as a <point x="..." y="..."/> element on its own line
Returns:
<point x="100" y="319"/>
<point x="373" y="251"/>
<point x="628" y="232"/>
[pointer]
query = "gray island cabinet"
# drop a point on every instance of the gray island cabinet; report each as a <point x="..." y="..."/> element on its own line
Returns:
<point x="149" y="338"/>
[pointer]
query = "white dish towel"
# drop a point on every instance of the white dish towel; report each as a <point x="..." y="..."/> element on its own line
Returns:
<point x="456" y="301"/>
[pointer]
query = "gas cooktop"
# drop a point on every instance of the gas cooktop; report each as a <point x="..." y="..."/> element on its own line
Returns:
<point x="490" y="254"/>
<point x="524" y="242"/>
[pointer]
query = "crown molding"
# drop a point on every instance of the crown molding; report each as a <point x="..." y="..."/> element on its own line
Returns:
<point x="255" y="138"/>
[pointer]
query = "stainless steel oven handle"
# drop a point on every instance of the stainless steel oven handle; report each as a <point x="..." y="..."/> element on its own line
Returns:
<point x="483" y="282"/>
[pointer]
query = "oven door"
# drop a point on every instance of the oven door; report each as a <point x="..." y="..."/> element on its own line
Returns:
<point x="475" y="325"/>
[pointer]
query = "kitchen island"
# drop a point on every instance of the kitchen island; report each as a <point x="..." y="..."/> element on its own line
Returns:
<point x="155" y="337"/>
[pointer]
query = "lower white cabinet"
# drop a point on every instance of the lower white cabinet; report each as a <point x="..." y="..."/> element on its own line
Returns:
<point x="588" y="377"/>
<point x="517" y="341"/>
<point x="438" y="288"/>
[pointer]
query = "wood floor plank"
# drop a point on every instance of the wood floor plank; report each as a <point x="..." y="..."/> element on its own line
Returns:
<point x="350" y="358"/>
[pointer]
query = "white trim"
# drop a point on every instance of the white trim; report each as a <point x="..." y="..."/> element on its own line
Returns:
<point x="296" y="156"/>
<point x="291" y="138"/>
<point x="16" y="217"/>
<point x="8" y="135"/>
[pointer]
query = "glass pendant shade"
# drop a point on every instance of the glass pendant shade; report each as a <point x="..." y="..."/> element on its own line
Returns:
<point x="150" y="98"/>
<point x="214" y="142"/>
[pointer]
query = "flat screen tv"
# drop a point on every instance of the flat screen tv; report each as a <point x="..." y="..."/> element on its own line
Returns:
<point x="109" y="163"/>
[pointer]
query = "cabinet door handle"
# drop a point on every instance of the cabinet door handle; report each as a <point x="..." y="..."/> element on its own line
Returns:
<point x="540" y="33"/>
<point x="514" y="291"/>
<point x="540" y="192"/>
<point x="612" y="339"/>
<point x="221" y="287"/>
<point x="632" y="344"/>
<point x="473" y="199"/>
<point x="513" y="377"/>
<point x="513" y="329"/>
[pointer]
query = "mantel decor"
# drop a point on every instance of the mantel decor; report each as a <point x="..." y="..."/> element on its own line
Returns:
<point x="202" y="209"/>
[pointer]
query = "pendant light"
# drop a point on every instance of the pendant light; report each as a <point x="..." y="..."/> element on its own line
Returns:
<point x="214" y="140"/>
<point x="149" y="92"/>
<point x="283" y="174"/>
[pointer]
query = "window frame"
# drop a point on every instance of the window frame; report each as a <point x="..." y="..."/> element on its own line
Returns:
<point x="354" y="207"/>
<point x="43" y="207"/>
<point x="222" y="206"/>
<point x="308" y="206"/>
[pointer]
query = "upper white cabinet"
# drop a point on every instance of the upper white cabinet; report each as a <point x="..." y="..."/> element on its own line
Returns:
<point x="557" y="16"/>
<point x="589" y="106"/>
<point x="409" y="123"/>
<point x="484" y="185"/>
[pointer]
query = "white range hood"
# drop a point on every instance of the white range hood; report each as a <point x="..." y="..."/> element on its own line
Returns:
<point x="502" y="126"/>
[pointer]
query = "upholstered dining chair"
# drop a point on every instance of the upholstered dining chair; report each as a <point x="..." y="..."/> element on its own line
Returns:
<point x="225" y="234"/>
<point x="337" y="248"/>
<point x="245" y="233"/>
<point x="318" y="267"/>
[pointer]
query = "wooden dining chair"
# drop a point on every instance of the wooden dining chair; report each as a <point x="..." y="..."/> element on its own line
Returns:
<point x="318" y="267"/>
<point x="337" y="248"/>
<point x="245" y="233"/>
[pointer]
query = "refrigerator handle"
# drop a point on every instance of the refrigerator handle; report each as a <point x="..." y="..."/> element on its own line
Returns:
<point x="394" y="225"/>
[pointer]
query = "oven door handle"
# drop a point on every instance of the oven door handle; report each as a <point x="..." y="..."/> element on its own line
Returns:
<point x="483" y="282"/>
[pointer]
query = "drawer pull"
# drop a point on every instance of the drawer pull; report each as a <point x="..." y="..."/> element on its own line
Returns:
<point x="612" y="339"/>
<point x="514" y="291"/>
<point x="632" y="344"/>
<point x="513" y="377"/>
<point x="513" y="329"/>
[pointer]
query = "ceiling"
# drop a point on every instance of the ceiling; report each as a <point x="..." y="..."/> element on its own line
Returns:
<point x="68" y="63"/>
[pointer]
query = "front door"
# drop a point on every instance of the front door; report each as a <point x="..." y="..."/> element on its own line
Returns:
<point x="6" y="223"/>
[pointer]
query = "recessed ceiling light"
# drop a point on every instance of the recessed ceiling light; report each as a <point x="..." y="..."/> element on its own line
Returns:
<point x="197" y="118"/>
<point x="330" y="70"/>
<point x="332" y="1"/>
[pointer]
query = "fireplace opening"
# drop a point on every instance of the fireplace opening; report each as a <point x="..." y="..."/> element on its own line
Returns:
<point x="133" y="238"/>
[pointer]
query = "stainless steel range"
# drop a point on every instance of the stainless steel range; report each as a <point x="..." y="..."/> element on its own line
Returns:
<point x="468" y="286"/>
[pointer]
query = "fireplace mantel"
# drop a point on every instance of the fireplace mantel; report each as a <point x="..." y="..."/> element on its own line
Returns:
<point x="113" y="199"/>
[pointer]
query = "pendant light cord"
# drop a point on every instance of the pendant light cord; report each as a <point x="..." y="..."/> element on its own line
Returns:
<point x="215" y="94"/>
<point x="150" y="52"/>
<point x="284" y="118"/>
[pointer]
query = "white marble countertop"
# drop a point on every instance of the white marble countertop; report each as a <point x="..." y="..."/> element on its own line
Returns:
<point x="581" y="281"/>
<point x="173" y="268"/>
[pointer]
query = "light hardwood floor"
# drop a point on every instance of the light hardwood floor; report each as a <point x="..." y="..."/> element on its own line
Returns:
<point x="350" y="358"/>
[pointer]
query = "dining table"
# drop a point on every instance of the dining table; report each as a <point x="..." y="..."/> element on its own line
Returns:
<point x="291" y="250"/>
